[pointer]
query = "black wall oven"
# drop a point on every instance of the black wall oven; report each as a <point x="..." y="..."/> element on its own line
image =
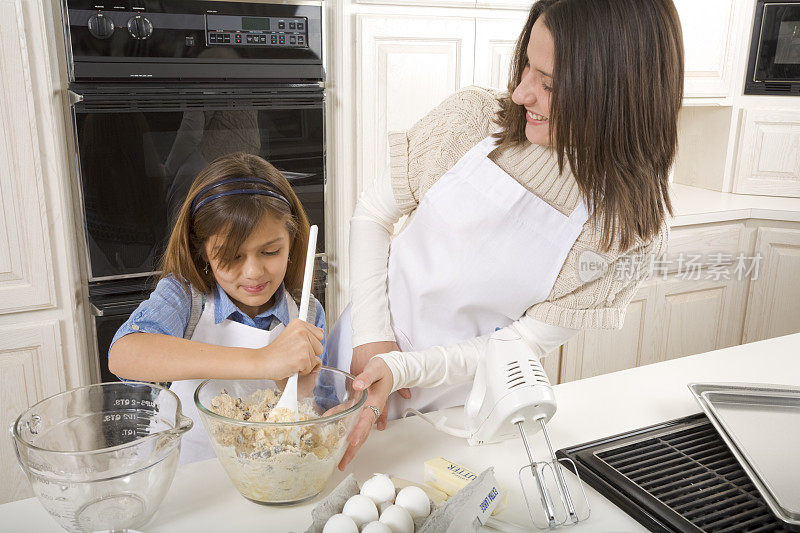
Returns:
<point x="774" y="63"/>
<point x="158" y="90"/>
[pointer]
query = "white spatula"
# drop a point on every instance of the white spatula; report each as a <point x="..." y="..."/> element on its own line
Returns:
<point x="288" y="399"/>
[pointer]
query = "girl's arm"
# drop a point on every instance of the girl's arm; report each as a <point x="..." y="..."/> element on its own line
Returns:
<point x="159" y="357"/>
<point x="150" y="346"/>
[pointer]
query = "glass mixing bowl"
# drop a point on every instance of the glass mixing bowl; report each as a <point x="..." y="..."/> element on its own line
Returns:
<point x="280" y="462"/>
<point x="101" y="457"/>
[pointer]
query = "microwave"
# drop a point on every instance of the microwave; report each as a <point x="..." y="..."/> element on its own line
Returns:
<point x="774" y="62"/>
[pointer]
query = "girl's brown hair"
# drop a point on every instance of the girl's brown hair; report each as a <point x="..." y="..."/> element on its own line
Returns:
<point x="236" y="216"/>
<point x="617" y="90"/>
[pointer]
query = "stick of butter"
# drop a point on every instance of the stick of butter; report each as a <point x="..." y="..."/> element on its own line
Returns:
<point x="450" y="477"/>
<point x="436" y="496"/>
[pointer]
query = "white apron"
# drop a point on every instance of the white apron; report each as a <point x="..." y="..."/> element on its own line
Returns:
<point x="195" y="445"/>
<point x="479" y="251"/>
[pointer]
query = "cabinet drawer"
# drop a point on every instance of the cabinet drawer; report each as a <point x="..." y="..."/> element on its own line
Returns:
<point x="717" y="244"/>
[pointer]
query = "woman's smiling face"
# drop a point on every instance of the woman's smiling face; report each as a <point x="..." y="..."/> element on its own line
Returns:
<point x="536" y="85"/>
<point x="258" y="268"/>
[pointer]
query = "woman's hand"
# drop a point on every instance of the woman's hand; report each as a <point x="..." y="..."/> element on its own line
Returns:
<point x="296" y="349"/>
<point x="362" y="355"/>
<point x="377" y="379"/>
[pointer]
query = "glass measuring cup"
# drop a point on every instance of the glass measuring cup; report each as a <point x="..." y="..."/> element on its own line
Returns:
<point x="101" y="457"/>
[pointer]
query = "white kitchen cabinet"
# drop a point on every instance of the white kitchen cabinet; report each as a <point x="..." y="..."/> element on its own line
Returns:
<point x="709" y="29"/>
<point x="594" y="351"/>
<point x="30" y="370"/>
<point x="42" y="341"/>
<point x="667" y="318"/>
<point x="408" y="65"/>
<point x="696" y="316"/>
<point x="26" y="270"/>
<point x="494" y="50"/>
<point x="768" y="159"/>
<point x="680" y="311"/>
<point x="774" y="304"/>
<point x="505" y="4"/>
<point x="431" y="3"/>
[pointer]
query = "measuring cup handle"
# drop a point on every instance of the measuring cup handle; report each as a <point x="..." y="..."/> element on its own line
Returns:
<point x="16" y="447"/>
<point x="184" y="423"/>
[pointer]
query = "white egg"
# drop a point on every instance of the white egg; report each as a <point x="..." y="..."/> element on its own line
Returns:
<point x="415" y="501"/>
<point x="379" y="488"/>
<point x="398" y="519"/>
<point x="361" y="509"/>
<point x="383" y="506"/>
<point x="376" y="527"/>
<point x="340" y="523"/>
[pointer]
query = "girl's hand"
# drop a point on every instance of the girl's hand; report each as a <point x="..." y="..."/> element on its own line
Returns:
<point x="377" y="379"/>
<point x="362" y="355"/>
<point x="296" y="349"/>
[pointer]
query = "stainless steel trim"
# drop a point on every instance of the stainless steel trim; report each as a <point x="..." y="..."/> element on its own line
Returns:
<point x="125" y="276"/>
<point x="750" y="400"/>
<point x="318" y="3"/>
<point x="67" y="40"/>
<point x="761" y="33"/>
<point x="79" y="202"/>
<point x="74" y="97"/>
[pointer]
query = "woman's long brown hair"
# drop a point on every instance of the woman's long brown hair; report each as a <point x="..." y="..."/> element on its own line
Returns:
<point x="617" y="90"/>
<point x="236" y="216"/>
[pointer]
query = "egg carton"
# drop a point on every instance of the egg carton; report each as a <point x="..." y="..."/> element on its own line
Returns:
<point x="465" y="511"/>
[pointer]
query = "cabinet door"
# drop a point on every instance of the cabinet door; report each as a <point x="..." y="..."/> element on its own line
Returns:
<point x="709" y="48"/>
<point x="595" y="351"/>
<point x="773" y="308"/>
<point x="524" y="5"/>
<point x="494" y="50"/>
<point x="30" y="370"/>
<point x="696" y="316"/>
<point x="406" y="66"/>
<point x="26" y="272"/>
<point x="769" y="152"/>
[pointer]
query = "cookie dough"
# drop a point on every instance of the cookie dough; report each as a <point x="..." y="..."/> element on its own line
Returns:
<point x="275" y="464"/>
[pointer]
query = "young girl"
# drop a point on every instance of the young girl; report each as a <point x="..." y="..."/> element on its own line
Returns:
<point x="223" y="307"/>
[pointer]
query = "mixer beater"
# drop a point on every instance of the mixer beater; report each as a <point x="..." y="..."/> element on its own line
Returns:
<point x="511" y="391"/>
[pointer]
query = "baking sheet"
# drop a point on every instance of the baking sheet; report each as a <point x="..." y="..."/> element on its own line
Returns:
<point x="760" y="423"/>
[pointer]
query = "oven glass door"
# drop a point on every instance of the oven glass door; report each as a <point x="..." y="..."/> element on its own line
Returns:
<point x="138" y="161"/>
<point x="779" y="44"/>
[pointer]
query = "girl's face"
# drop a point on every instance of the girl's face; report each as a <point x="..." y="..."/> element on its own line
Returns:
<point x="258" y="269"/>
<point x="536" y="85"/>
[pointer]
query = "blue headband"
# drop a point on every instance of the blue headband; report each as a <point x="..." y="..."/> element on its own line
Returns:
<point x="274" y="194"/>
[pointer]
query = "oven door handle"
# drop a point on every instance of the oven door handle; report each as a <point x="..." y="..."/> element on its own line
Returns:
<point x="111" y="309"/>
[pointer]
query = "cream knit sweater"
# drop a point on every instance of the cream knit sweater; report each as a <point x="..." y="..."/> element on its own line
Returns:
<point x="433" y="145"/>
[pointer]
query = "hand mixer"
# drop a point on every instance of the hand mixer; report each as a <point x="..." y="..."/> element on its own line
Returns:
<point x="511" y="390"/>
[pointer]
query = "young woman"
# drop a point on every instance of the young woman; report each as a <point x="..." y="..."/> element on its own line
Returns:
<point x="224" y="307"/>
<point x="506" y="193"/>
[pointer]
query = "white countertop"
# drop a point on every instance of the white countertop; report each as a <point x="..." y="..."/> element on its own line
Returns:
<point x="202" y="498"/>
<point x="693" y="205"/>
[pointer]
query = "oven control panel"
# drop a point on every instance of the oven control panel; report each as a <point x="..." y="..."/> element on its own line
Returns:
<point x="226" y="30"/>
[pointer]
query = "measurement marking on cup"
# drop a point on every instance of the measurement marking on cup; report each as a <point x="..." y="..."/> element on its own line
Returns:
<point x="133" y="402"/>
<point x="116" y="417"/>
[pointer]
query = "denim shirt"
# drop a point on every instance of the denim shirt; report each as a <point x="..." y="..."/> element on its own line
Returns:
<point x="167" y="311"/>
